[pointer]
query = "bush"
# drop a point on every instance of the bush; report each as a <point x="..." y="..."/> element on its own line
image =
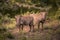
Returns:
<point x="58" y="18"/>
<point x="10" y="36"/>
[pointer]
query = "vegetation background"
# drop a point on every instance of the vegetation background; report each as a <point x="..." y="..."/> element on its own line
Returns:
<point x="10" y="8"/>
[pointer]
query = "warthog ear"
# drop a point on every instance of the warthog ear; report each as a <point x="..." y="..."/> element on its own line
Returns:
<point x="17" y="16"/>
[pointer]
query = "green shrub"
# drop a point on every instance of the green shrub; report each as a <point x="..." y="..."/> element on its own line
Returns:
<point x="10" y="36"/>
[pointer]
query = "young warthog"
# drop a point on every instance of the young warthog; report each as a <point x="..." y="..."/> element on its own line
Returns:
<point x="24" y="20"/>
<point x="39" y="18"/>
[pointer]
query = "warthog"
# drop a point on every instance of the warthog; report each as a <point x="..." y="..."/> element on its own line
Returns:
<point x="39" y="18"/>
<point x="24" y="20"/>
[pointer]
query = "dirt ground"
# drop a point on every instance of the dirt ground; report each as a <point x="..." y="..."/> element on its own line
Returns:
<point x="48" y="33"/>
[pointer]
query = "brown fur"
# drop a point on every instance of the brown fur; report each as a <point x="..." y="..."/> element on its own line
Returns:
<point x="24" y="20"/>
<point x="31" y="20"/>
<point x="39" y="18"/>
